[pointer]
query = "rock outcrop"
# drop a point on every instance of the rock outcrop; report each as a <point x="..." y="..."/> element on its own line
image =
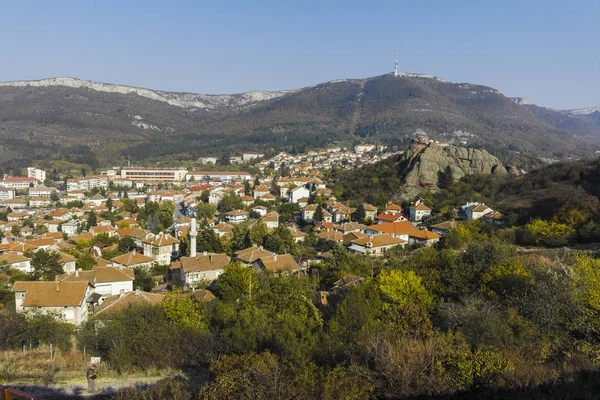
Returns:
<point x="425" y="162"/>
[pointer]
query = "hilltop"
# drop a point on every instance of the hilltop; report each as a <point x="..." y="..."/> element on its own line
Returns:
<point x="113" y="122"/>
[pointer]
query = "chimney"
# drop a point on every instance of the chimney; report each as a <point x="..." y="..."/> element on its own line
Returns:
<point x="205" y="253"/>
<point x="77" y="272"/>
<point x="134" y="252"/>
<point x="193" y="234"/>
<point x="58" y="286"/>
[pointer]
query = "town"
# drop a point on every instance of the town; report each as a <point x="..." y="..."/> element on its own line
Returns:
<point x="131" y="234"/>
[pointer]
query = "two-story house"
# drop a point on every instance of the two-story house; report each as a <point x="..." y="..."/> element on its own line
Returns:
<point x="161" y="247"/>
<point x="67" y="301"/>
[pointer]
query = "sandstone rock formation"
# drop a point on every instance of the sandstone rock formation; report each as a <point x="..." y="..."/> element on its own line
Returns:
<point x="424" y="162"/>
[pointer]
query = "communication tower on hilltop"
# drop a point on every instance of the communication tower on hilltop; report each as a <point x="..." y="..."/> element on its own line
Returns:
<point x="396" y="64"/>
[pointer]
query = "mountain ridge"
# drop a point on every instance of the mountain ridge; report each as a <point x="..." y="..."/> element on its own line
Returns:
<point x="117" y="121"/>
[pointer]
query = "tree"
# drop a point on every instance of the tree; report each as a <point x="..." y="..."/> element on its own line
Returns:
<point x="230" y="201"/>
<point x="208" y="241"/>
<point x="85" y="261"/>
<point x="91" y="220"/>
<point x="182" y="309"/>
<point x="46" y="265"/>
<point x="126" y="244"/>
<point x="153" y="223"/>
<point x="109" y="204"/>
<point x="318" y="215"/>
<point x="236" y="282"/>
<point x="247" y="189"/>
<point x="547" y="233"/>
<point x="204" y="196"/>
<point x="205" y="211"/>
<point x="258" y="233"/>
<point x="446" y="178"/>
<point x="224" y="160"/>
<point x="142" y="279"/>
<point x="280" y="241"/>
<point x="360" y="214"/>
<point x="406" y="301"/>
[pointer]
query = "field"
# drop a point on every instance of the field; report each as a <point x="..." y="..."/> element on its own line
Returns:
<point x="63" y="377"/>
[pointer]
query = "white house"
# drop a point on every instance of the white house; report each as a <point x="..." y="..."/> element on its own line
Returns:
<point x="477" y="211"/>
<point x="108" y="281"/>
<point x="36" y="173"/>
<point x="161" y="247"/>
<point x="236" y="216"/>
<point x="70" y="227"/>
<point x="297" y="193"/>
<point x="7" y="193"/>
<point x="206" y="267"/>
<point x="419" y="211"/>
<point x="16" y="261"/>
<point x="64" y="300"/>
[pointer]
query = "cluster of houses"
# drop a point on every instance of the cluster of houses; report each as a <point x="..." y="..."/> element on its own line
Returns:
<point x="43" y="218"/>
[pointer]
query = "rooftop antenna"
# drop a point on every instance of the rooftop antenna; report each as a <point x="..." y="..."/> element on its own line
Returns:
<point x="396" y="64"/>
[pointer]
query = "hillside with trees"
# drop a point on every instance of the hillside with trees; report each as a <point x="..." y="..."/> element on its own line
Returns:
<point x="385" y="109"/>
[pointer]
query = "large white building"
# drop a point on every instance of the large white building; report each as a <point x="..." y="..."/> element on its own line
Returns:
<point x="223" y="176"/>
<point x="19" y="182"/>
<point x="247" y="156"/>
<point x="154" y="174"/>
<point x="36" y="173"/>
<point x="7" y="193"/>
<point x="87" y="183"/>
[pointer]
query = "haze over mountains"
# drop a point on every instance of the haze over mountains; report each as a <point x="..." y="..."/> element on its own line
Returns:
<point x="38" y="118"/>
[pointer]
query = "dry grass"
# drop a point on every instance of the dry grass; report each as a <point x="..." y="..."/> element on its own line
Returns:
<point x="34" y="370"/>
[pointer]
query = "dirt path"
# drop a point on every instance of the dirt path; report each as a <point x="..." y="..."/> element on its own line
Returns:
<point x="77" y="389"/>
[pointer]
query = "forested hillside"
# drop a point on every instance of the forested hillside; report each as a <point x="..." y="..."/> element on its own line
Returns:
<point x="117" y="122"/>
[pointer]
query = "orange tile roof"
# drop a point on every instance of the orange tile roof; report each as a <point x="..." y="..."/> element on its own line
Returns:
<point x="283" y="262"/>
<point x="380" y="240"/>
<point x="132" y="258"/>
<point x="394" y="228"/>
<point x="52" y="294"/>
<point x="117" y="303"/>
<point x="425" y="235"/>
<point x="251" y="254"/>
<point x="201" y="262"/>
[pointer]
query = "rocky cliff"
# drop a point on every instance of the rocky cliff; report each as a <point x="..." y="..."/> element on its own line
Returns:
<point x="424" y="163"/>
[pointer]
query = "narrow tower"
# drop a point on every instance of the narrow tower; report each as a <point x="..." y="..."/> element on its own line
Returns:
<point x="193" y="234"/>
<point x="396" y="64"/>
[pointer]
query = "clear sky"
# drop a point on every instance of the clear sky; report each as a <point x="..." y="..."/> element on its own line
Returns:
<point x="546" y="50"/>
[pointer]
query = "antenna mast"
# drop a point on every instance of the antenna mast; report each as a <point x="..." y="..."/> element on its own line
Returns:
<point x="396" y="64"/>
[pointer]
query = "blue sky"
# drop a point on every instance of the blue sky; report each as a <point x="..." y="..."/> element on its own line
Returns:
<point x="548" y="51"/>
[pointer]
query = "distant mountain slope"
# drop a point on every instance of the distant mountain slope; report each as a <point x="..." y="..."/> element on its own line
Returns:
<point x="117" y="121"/>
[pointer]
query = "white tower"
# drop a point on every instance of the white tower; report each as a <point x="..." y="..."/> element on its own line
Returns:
<point x="193" y="234"/>
<point x="396" y="64"/>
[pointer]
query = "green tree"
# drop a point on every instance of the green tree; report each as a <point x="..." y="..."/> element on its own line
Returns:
<point x="258" y="233"/>
<point x="235" y="282"/>
<point x="182" y="309"/>
<point x="318" y="215"/>
<point x="85" y="261"/>
<point x="205" y="211"/>
<point x="360" y="214"/>
<point x="91" y="220"/>
<point x="46" y="264"/>
<point x="446" y="178"/>
<point x="126" y="244"/>
<point x="142" y="279"/>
